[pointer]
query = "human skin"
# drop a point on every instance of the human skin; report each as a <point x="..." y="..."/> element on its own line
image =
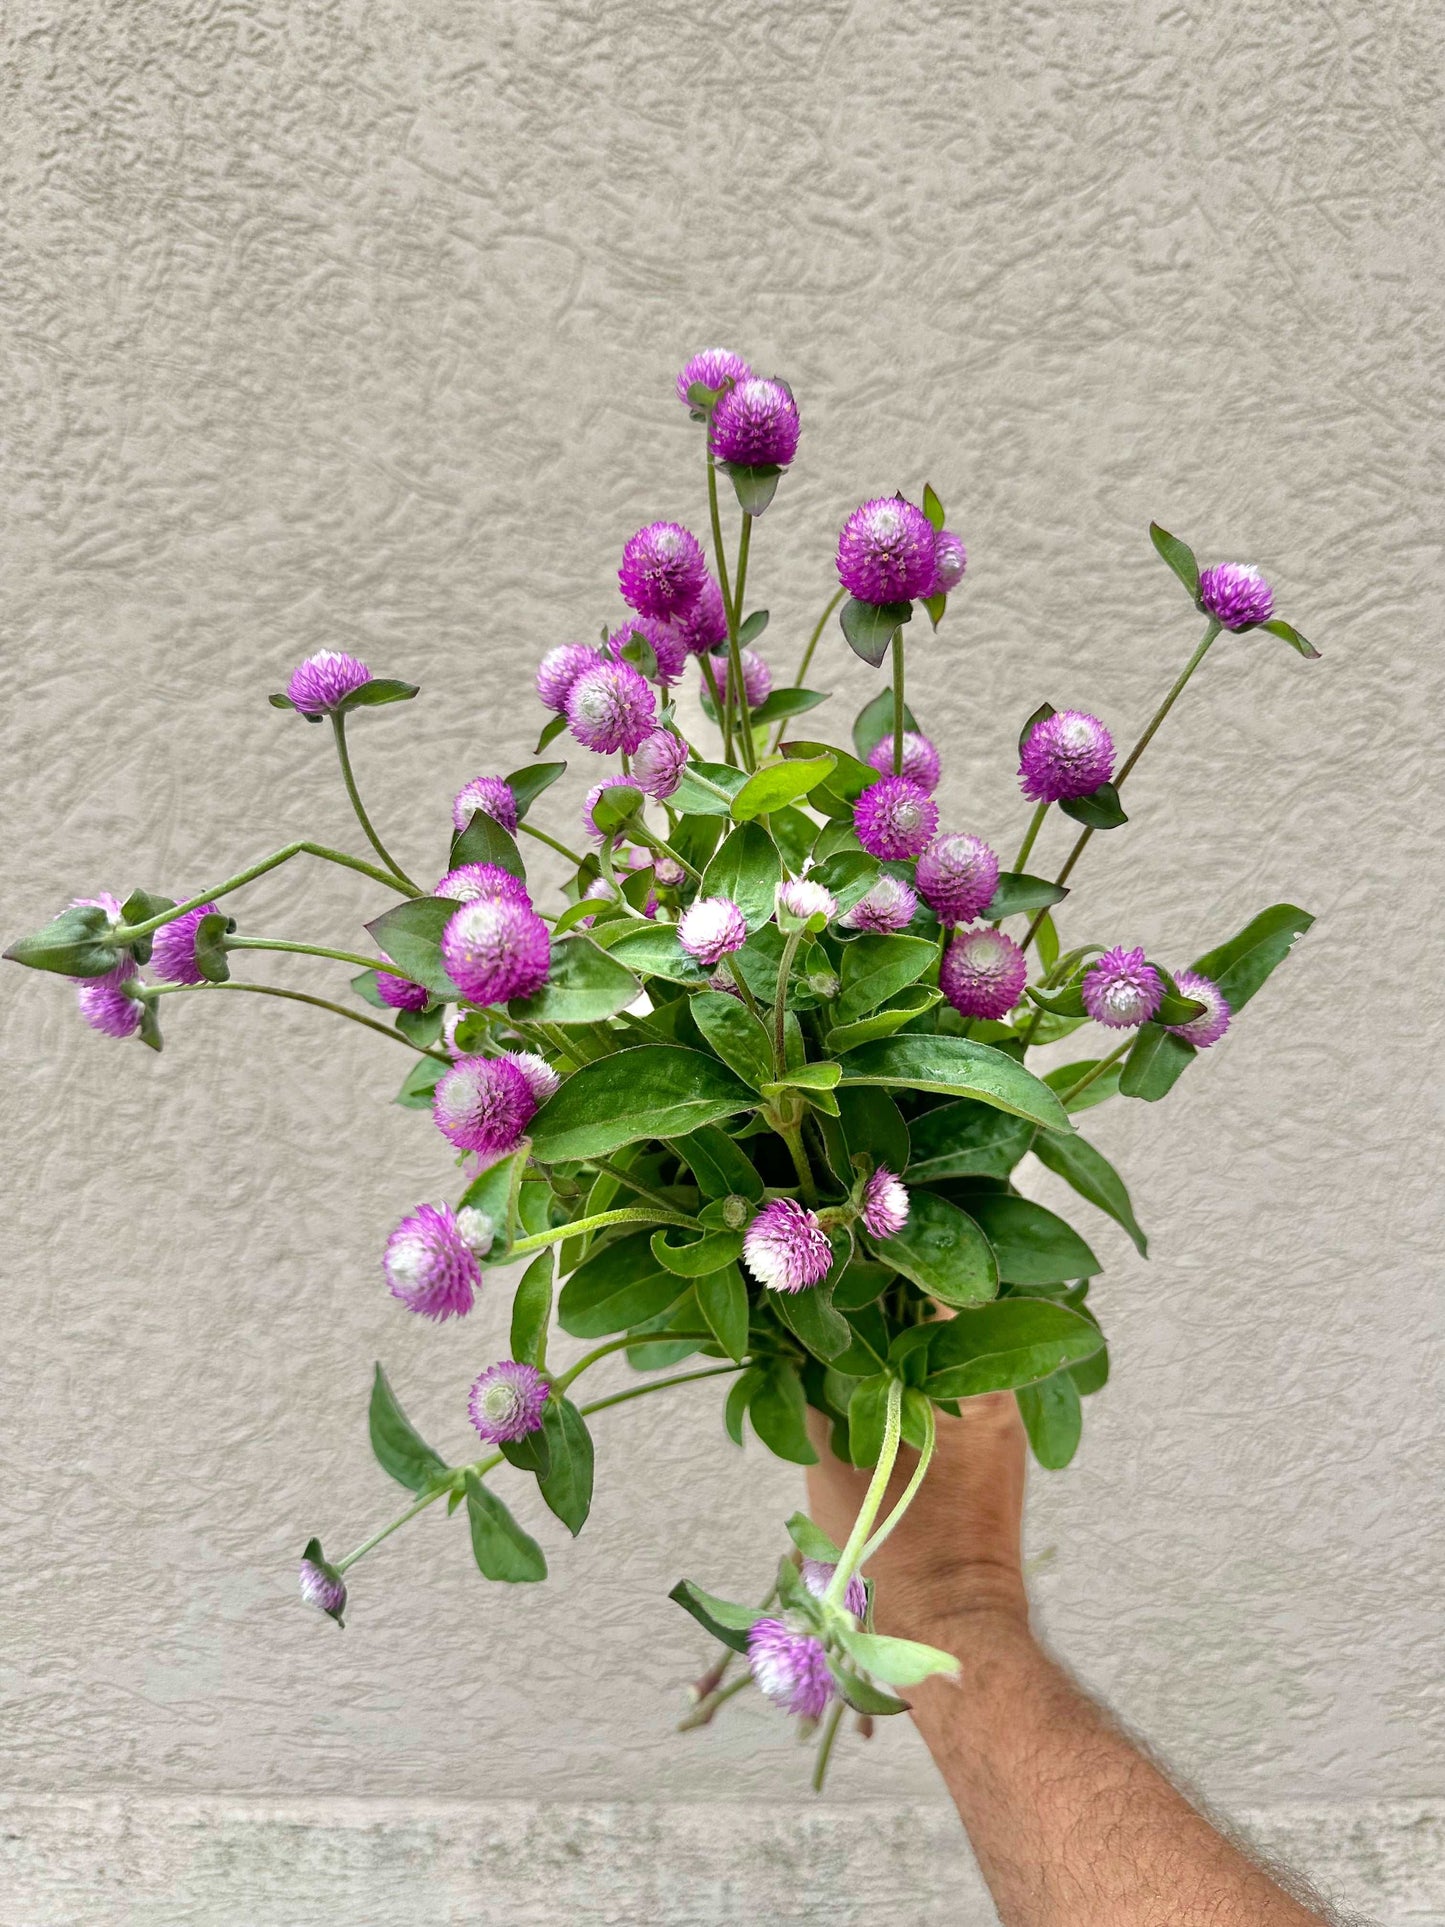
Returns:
<point x="1072" y="1824"/>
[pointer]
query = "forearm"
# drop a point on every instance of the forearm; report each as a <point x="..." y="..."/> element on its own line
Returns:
<point x="1071" y="1824"/>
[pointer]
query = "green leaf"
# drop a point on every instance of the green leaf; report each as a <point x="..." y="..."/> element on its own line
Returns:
<point x="620" y="1286"/>
<point x="897" y="1662"/>
<point x="787" y="702"/>
<point x="935" y="605"/>
<point x="1021" y="895"/>
<point x="211" y="933"/>
<point x="1178" y="555"/>
<point x="532" y="1311"/>
<point x="1067" y="1002"/>
<point x="1099" y="810"/>
<point x="932" y="507"/>
<point x="1077" y="1162"/>
<point x="658" y="1346"/>
<point x="721" y="1169"/>
<point x="810" y="1317"/>
<point x="860" y="1694"/>
<point x="485" y="841"/>
<point x="1104" y="1086"/>
<point x="530" y="1453"/>
<point x="494" y="1193"/>
<point x="1034" y="1246"/>
<point x="1288" y="633"/>
<point x="779" y="1413"/>
<point x="654" y="1090"/>
<point x="780" y="783"/>
<point x="751" y="628"/>
<point x="867" y="1416"/>
<point x="722" y="1298"/>
<point x="966" y="1140"/>
<point x="70" y="943"/>
<point x="943" y="1251"/>
<point x="585" y="985"/>
<point x="501" y="1549"/>
<point x="411" y="933"/>
<point x="847" y="876"/>
<point x="1091" y="1374"/>
<point x="1040" y="715"/>
<point x="1048" y="942"/>
<point x="870" y="627"/>
<point x="616" y="806"/>
<point x="528" y="783"/>
<point x="1241" y="966"/>
<point x="364" y="984"/>
<point x="725" y="1621"/>
<point x="139" y="907"/>
<point x="812" y="1541"/>
<point x="652" y="949"/>
<point x="738" y="1399"/>
<point x="875" y="721"/>
<point x="883" y="1023"/>
<point x="371" y="695"/>
<point x="1157" y="1060"/>
<point x="957" y="1068"/>
<point x="754" y="485"/>
<point x="862" y="1283"/>
<point x="400" y="1449"/>
<point x="694" y="800"/>
<point x="999" y="1347"/>
<point x="873" y="1126"/>
<point x="1053" y="1418"/>
<point x="696" y="1260"/>
<point x="566" y="1486"/>
<point x="838" y="793"/>
<point x="550" y="732"/>
<point x="875" y="968"/>
<point x="419" y="1083"/>
<point x="748" y="869"/>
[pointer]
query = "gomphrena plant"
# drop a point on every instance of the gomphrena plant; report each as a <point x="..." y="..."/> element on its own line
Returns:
<point x="756" y="1093"/>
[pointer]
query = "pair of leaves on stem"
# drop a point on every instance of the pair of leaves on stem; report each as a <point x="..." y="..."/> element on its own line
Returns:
<point x="1180" y="558"/>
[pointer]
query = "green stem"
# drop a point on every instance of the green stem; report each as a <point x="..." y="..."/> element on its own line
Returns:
<point x="1031" y="836"/>
<point x="735" y="972"/>
<point x="720" y="710"/>
<point x="873" y="1499"/>
<point x="301" y="997"/>
<point x="632" y="1183"/>
<point x="343" y="755"/>
<point x="735" y="653"/>
<point x="315" y="950"/>
<point x="552" y="843"/>
<point x="702" y="1713"/>
<point x="657" y="1385"/>
<point x="813" y="642"/>
<point x="798" y="1151"/>
<point x="825" y="1746"/>
<point x="625" y="1343"/>
<point x="898" y="705"/>
<point x="780" y="1005"/>
<point x="654" y="842"/>
<point x="719" y="556"/>
<point x="910" y="1491"/>
<point x="541" y="1239"/>
<point x="128" y="933"/>
<point x="1097" y="1071"/>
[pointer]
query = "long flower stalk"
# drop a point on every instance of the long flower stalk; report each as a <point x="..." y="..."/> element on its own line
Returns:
<point x="343" y="756"/>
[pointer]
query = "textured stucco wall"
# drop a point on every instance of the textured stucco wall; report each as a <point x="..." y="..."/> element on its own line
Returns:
<point x="353" y="324"/>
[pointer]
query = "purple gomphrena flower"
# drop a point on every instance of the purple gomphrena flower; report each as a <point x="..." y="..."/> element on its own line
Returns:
<point x="1068" y="754"/>
<point x="542" y="1080"/>
<point x="791" y="1668"/>
<point x="886" y="551"/>
<point x="430" y="1265"/>
<point x="611" y="708"/>
<point x="494" y="949"/>
<point x="173" y="947"/>
<point x="950" y="560"/>
<point x="663" y="570"/>
<point x="894" y="818"/>
<point x="705" y="624"/>
<point x="400" y="993"/>
<point x="469" y="881"/>
<point x="1121" y="989"/>
<point x="589" y="802"/>
<point x="890" y="905"/>
<point x="1235" y="594"/>
<point x="786" y="1248"/>
<point x="920" y="759"/>
<point x="110" y="1003"/>
<point x="757" y="677"/>
<point x="755" y="424"/>
<point x="483" y="1104"/>
<point x="1209" y="1028"/>
<point x="712" y="367"/>
<point x="507" y="1402"/>
<point x="320" y="683"/>
<point x="492" y="797"/>
<point x="710" y="928"/>
<point x="800" y="897"/>
<point x="668" y="873"/>
<point x="664" y="639"/>
<point x="817" y="1576"/>
<point x="560" y="668"/>
<point x="658" y="763"/>
<point x="599" y="890"/>
<point x="983" y="973"/>
<point x="885" y="1204"/>
<point x="957" y="876"/>
<point x="324" y="1587"/>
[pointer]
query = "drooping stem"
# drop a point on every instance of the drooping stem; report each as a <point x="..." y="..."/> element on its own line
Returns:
<point x="780" y="1003"/>
<point x="300" y="997"/>
<point x="552" y="843"/>
<point x="872" y="1500"/>
<point x="898" y="704"/>
<point x="481" y="1467"/>
<point x="1031" y="836"/>
<point x="655" y="1214"/>
<point x="910" y="1491"/>
<point x="128" y="933"/>
<point x="343" y="756"/>
<point x="1095" y="1071"/>
<point x="825" y="1745"/>
<point x="381" y="964"/>
<point x="813" y="642"/>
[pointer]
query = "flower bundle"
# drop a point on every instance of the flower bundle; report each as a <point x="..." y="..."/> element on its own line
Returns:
<point x="754" y="1093"/>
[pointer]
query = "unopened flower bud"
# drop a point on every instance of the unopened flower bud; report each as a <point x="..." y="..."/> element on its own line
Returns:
<point x="321" y="1584"/>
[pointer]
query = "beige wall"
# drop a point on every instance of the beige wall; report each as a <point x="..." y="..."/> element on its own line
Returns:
<point x="354" y="325"/>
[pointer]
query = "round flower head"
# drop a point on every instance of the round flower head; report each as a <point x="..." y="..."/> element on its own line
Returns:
<point x="886" y="551"/>
<point x="1207" y="1029"/>
<point x="1121" y="990"/>
<point x="658" y="763"/>
<point x="663" y="570"/>
<point x="668" y="873"/>
<point x="710" y="928"/>
<point x="818" y="1574"/>
<point x="492" y="797"/>
<point x="890" y="905"/>
<point x="1235" y="594"/>
<point x="324" y="1587"/>
<point x="110" y="1003"/>
<point x="173" y="947"/>
<point x="983" y="973"/>
<point x="757" y="677"/>
<point x="507" y="1402"/>
<point x="791" y="1668"/>
<point x="1067" y="754"/>
<point x="430" y="1265"/>
<point x="785" y="1247"/>
<point x="597" y="790"/>
<point x="885" y="1204"/>
<point x="663" y="638"/>
<point x="705" y="624"/>
<point x="560" y="668"/>
<point x="957" y="876"/>
<point x="756" y="423"/>
<point x="478" y="1230"/>
<point x="611" y="708"/>
<point x="712" y="367"/>
<point x="472" y="880"/>
<point x="400" y="993"/>
<point x="894" y="818"/>
<point x="802" y="898"/>
<point x="542" y="1080"/>
<point x="494" y="949"/>
<point x="920" y="759"/>
<point x="320" y="683"/>
<point x="950" y="559"/>
<point x="483" y="1104"/>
